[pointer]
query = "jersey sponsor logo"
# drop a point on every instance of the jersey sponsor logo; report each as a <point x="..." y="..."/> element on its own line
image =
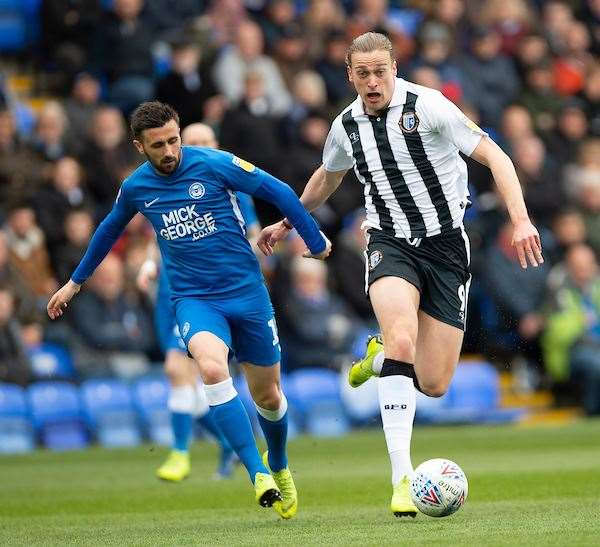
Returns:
<point x="185" y="329"/>
<point x="197" y="190"/>
<point x="150" y="203"/>
<point x="186" y="221"/>
<point x="374" y="259"/>
<point x="354" y="137"/>
<point x="409" y="122"/>
<point x="243" y="164"/>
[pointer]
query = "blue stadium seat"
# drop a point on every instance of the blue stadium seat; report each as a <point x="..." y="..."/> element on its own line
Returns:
<point x="315" y="393"/>
<point x="16" y="432"/>
<point x="56" y="412"/>
<point x="109" y="412"/>
<point x="362" y="403"/>
<point x="13" y="32"/>
<point x="475" y="386"/>
<point x="150" y="396"/>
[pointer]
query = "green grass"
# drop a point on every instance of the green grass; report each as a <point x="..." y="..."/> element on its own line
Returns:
<point x="527" y="487"/>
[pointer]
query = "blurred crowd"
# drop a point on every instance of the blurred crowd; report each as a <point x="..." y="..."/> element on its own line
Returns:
<point x="269" y="76"/>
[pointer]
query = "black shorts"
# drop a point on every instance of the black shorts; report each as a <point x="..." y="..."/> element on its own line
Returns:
<point x="438" y="266"/>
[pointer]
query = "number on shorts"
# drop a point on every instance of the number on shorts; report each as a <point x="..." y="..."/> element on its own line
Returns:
<point x="273" y="326"/>
<point x="461" y="295"/>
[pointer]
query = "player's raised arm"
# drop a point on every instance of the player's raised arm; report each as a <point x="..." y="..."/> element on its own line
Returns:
<point x="101" y="243"/>
<point x="240" y="175"/>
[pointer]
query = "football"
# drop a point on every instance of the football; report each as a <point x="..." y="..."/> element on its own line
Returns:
<point x="439" y="487"/>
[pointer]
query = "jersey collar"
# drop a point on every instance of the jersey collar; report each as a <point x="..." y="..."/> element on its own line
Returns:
<point x="398" y="99"/>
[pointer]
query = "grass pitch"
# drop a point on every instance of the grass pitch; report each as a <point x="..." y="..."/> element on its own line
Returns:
<point x="527" y="487"/>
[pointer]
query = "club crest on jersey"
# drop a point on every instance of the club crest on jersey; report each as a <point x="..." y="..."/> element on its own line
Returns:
<point x="197" y="190"/>
<point x="243" y="164"/>
<point x="409" y="122"/>
<point x="374" y="259"/>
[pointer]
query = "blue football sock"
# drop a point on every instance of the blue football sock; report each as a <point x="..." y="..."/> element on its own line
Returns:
<point x="207" y="421"/>
<point x="274" y="424"/>
<point x="232" y="419"/>
<point x="181" y="423"/>
<point x="276" y="437"/>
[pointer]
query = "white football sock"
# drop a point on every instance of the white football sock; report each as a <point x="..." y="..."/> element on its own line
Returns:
<point x="397" y="402"/>
<point x="182" y="399"/>
<point x="378" y="362"/>
<point x="201" y="404"/>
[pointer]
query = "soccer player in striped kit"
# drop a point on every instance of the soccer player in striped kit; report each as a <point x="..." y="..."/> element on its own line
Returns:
<point x="403" y="141"/>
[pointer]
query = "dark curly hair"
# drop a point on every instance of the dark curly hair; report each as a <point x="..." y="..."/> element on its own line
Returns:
<point x="150" y="115"/>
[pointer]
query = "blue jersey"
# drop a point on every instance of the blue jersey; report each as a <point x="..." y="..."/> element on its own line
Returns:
<point x="198" y="222"/>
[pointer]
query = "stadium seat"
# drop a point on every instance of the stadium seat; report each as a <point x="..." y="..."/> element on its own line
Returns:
<point x="150" y="396"/>
<point x="109" y="412"/>
<point x="16" y="432"/>
<point x="13" y="32"/>
<point x="51" y="361"/>
<point x="315" y="393"/>
<point x="56" y="412"/>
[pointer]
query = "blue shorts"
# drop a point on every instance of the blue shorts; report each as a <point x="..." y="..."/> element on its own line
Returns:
<point x="245" y="323"/>
<point x="166" y="324"/>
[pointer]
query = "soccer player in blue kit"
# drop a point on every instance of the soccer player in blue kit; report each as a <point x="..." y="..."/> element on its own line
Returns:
<point x="187" y="400"/>
<point x="217" y="288"/>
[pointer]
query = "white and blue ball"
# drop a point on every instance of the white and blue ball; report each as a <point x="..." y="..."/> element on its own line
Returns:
<point x="439" y="487"/>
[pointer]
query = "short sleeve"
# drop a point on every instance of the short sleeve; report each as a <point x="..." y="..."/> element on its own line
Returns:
<point x="449" y="121"/>
<point x="335" y="156"/>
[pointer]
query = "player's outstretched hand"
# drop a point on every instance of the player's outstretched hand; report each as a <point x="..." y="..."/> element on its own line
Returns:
<point x="147" y="274"/>
<point x="526" y="240"/>
<point x="270" y="236"/>
<point x="322" y="255"/>
<point x="61" y="298"/>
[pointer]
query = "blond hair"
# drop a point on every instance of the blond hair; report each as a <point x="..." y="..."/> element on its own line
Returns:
<point x="367" y="42"/>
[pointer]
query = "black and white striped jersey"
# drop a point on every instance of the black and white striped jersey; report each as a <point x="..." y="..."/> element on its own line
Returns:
<point x="415" y="182"/>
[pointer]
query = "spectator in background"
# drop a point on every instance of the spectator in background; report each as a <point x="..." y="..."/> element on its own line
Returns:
<point x="571" y="340"/>
<point x="532" y="50"/>
<point x="50" y="139"/>
<point x="568" y="228"/>
<point x="539" y="96"/>
<point x="571" y="66"/>
<point x="511" y="19"/>
<point x="493" y="81"/>
<point x="249" y="130"/>
<point x="188" y="85"/>
<point x="426" y="76"/>
<point x="321" y="18"/>
<point x="591" y="96"/>
<point x="309" y="95"/>
<point x="348" y="264"/>
<point x="278" y="16"/>
<point x="218" y="27"/>
<point x="516" y="123"/>
<point x="28" y="252"/>
<point x="290" y="53"/>
<point x="81" y="106"/>
<point x="517" y="293"/>
<point x="19" y="172"/>
<point x="557" y="18"/>
<point x="78" y="229"/>
<point x="540" y="177"/>
<point x="111" y="321"/>
<point x="247" y="56"/>
<point x="14" y="364"/>
<point x="67" y="30"/>
<point x="583" y="179"/>
<point x="571" y="130"/>
<point x="332" y="68"/>
<point x="123" y="52"/>
<point x="107" y="153"/>
<point x="316" y="326"/>
<point x="64" y="193"/>
<point x="170" y="18"/>
<point x="10" y="276"/>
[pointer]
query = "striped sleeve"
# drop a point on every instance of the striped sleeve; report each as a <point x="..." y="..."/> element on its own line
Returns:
<point x="449" y="121"/>
<point x="335" y="156"/>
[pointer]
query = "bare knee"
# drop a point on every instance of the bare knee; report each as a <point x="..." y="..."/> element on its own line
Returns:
<point x="212" y="370"/>
<point x="177" y="370"/>
<point x="400" y="345"/>
<point x="268" y="397"/>
<point x="434" y="389"/>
